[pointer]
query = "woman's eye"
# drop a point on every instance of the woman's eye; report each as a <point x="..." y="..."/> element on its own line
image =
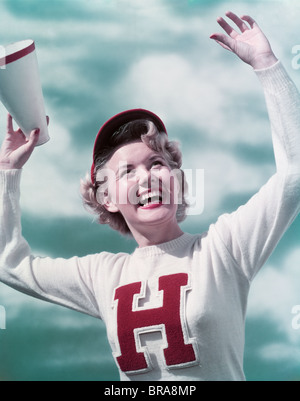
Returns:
<point x="157" y="163"/>
<point x="127" y="172"/>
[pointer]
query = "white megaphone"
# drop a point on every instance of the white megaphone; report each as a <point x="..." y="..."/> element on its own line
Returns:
<point x="20" y="87"/>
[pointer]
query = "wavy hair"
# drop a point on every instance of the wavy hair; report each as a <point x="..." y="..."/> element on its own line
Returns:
<point x="145" y="131"/>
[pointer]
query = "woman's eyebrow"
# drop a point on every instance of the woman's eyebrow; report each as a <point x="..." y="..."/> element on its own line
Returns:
<point x="124" y="165"/>
<point x="156" y="156"/>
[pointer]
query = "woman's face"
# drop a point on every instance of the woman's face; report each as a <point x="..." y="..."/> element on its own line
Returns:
<point x="141" y="186"/>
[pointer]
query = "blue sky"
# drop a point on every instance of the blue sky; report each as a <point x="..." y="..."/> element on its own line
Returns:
<point x="96" y="58"/>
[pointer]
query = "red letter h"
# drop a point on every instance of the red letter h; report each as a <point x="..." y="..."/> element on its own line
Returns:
<point x="178" y="352"/>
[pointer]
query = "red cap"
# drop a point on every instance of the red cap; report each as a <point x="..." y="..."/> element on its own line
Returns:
<point x="114" y="123"/>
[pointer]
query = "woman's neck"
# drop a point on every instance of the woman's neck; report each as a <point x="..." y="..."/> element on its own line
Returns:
<point x="156" y="236"/>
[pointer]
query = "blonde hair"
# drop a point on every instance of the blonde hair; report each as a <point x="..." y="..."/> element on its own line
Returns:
<point x="145" y="131"/>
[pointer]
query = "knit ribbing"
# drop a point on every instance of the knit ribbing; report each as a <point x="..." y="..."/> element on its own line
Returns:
<point x="274" y="79"/>
<point x="167" y="247"/>
<point x="10" y="180"/>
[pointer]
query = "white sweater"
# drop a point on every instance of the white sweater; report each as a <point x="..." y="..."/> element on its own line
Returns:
<point x="174" y="311"/>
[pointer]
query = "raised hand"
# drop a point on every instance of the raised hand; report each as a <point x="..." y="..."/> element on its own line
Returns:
<point x="16" y="148"/>
<point x="249" y="43"/>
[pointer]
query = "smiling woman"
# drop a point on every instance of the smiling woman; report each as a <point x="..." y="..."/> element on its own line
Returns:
<point x="175" y="308"/>
<point x="142" y="179"/>
<point x="164" y="153"/>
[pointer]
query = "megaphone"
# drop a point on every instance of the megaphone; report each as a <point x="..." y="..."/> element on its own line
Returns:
<point x="20" y="87"/>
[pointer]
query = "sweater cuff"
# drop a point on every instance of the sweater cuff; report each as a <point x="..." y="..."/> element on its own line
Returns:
<point x="274" y="79"/>
<point x="10" y="180"/>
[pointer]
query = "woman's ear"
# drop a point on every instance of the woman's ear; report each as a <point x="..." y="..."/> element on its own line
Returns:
<point x="103" y="194"/>
<point x="111" y="207"/>
<point x="108" y="203"/>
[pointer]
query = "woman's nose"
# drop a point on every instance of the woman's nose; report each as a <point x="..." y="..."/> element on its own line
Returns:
<point x="143" y="176"/>
<point x="147" y="178"/>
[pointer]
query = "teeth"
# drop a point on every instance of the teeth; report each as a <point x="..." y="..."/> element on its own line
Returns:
<point x="149" y="197"/>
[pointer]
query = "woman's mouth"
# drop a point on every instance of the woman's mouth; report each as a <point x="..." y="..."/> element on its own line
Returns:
<point x="150" y="199"/>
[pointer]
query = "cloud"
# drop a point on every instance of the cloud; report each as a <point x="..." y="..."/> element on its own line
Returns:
<point x="50" y="181"/>
<point x="281" y="352"/>
<point x="274" y="293"/>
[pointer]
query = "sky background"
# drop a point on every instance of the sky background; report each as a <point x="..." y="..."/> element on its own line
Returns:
<point x="97" y="58"/>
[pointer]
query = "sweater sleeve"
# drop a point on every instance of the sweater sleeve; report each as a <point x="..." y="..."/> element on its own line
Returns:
<point x="65" y="282"/>
<point x="251" y="233"/>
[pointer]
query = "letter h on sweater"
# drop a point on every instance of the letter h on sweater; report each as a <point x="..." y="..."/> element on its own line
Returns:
<point x="168" y="318"/>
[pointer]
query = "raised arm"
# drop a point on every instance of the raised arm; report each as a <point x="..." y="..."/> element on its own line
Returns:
<point x="282" y="96"/>
<point x="252" y="232"/>
<point x="60" y="281"/>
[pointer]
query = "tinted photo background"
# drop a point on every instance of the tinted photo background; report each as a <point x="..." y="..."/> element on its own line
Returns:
<point x="97" y="58"/>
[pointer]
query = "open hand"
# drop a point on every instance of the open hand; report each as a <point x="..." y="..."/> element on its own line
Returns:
<point x="250" y="44"/>
<point x="16" y="148"/>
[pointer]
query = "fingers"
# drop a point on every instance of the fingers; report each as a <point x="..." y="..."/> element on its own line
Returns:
<point x="10" y="128"/>
<point x="33" y="139"/>
<point x="225" y="41"/>
<point x="250" y="21"/>
<point x="23" y="153"/>
<point x="215" y="37"/>
<point x="238" y="21"/>
<point x="243" y="27"/>
<point x="227" y="28"/>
